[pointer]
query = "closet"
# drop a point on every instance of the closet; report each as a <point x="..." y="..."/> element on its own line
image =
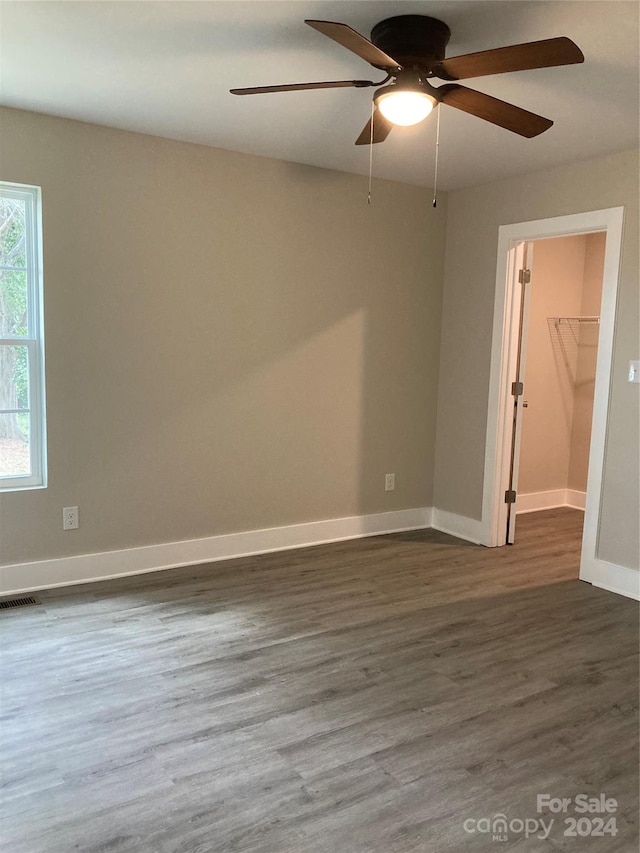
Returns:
<point x="560" y="369"/>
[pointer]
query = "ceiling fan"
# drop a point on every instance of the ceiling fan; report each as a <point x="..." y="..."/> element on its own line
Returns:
<point x="411" y="50"/>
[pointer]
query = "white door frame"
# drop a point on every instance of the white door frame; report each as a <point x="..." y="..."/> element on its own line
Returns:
<point x="521" y="257"/>
<point x="500" y="402"/>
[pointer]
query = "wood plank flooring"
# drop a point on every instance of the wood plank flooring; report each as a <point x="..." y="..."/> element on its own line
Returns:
<point x="360" y="697"/>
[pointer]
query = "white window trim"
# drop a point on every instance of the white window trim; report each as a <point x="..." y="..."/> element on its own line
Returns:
<point x="34" y="341"/>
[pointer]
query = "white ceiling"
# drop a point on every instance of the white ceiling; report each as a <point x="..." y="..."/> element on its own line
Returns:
<point x="165" y="68"/>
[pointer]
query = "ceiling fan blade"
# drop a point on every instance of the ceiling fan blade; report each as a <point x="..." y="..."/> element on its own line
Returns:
<point x="381" y="129"/>
<point x="491" y="109"/>
<point x="299" y="87"/>
<point x="356" y="43"/>
<point x="518" y="57"/>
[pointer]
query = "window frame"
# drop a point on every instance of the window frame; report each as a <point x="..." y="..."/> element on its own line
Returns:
<point x="33" y="340"/>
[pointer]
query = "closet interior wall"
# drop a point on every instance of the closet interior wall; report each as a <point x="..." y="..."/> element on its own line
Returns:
<point x="566" y="290"/>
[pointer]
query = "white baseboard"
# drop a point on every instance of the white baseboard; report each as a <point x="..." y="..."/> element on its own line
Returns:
<point x="458" y="525"/>
<point x="536" y="501"/>
<point x="576" y="500"/>
<point x="611" y="577"/>
<point x="86" y="568"/>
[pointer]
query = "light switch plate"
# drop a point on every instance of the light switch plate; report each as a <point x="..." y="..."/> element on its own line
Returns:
<point x="634" y="371"/>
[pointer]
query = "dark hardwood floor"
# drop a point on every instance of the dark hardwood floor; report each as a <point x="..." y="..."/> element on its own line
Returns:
<point x="362" y="697"/>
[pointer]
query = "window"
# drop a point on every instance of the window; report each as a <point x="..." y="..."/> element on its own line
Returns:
<point x="22" y="411"/>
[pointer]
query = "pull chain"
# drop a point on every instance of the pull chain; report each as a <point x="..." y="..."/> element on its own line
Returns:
<point x="435" y="177"/>
<point x="371" y="153"/>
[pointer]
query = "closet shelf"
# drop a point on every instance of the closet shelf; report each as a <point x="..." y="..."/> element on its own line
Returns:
<point x="558" y="320"/>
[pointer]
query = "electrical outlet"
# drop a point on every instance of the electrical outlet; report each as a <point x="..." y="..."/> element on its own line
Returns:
<point x="389" y="482"/>
<point x="70" y="518"/>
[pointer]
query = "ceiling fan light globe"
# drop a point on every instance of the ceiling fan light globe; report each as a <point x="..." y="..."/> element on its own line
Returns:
<point x="405" y="108"/>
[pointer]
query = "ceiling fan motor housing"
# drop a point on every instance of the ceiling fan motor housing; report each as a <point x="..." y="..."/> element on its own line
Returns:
<point x="413" y="40"/>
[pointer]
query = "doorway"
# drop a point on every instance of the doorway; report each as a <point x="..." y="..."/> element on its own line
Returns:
<point x="557" y="370"/>
<point x="503" y="440"/>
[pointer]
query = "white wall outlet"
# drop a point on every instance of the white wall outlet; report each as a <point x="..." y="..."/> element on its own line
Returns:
<point x="70" y="518"/>
<point x="389" y="482"/>
<point x="634" y="371"/>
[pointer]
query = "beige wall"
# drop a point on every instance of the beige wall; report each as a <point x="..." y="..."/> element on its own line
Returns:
<point x="235" y="342"/>
<point x="557" y="276"/>
<point x="232" y="342"/>
<point x="471" y="256"/>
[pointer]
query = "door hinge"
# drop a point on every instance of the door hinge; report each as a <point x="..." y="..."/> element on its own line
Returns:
<point x="517" y="388"/>
<point x="510" y="496"/>
<point x="524" y="276"/>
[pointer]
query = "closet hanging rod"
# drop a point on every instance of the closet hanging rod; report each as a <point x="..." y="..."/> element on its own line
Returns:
<point x="575" y="319"/>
